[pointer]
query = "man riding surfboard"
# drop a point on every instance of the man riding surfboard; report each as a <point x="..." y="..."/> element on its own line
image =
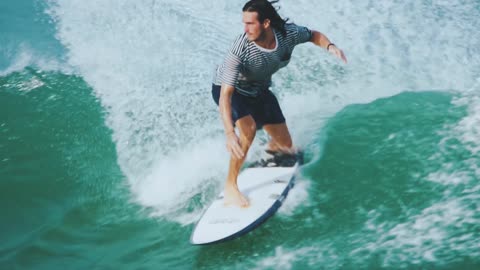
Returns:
<point x="241" y="85"/>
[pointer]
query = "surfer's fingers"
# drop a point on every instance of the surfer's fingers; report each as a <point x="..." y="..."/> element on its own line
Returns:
<point x="341" y="55"/>
<point x="234" y="147"/>
<point x="237" y="150"/>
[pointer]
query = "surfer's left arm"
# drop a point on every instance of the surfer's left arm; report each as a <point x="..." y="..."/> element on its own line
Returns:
<point x="321" y="40"/>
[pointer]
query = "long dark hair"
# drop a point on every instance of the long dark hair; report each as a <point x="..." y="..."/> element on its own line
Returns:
<point x="265" y="10"/>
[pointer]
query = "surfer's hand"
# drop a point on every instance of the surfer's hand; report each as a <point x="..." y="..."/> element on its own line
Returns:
<point x="338" y="53"/>
<point x="233" y="145"/>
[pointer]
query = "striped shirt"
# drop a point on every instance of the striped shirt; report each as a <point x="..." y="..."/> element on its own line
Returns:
<point x="249" y="67"/>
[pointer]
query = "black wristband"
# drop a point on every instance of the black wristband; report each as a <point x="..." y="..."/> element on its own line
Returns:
<point x="328" y="46"/>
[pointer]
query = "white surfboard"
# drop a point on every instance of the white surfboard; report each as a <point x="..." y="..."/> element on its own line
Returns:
<point x="266" y="187"/>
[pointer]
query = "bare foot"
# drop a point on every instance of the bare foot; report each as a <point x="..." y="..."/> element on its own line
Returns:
<point x="232" y="196"/>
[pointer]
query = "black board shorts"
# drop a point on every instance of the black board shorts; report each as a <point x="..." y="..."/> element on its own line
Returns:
<point x="264" y="109"/>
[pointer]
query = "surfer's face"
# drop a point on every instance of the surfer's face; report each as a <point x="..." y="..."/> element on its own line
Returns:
<point x="253" y="28"/>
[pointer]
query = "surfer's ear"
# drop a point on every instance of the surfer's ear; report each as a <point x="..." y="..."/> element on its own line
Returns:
<point x="266" y="23"/>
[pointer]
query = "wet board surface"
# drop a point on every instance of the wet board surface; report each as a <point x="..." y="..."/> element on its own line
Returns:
<point x="266" y="185"/>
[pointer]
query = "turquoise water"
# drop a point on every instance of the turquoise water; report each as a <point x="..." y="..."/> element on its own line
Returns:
<point x="111" y="147"/>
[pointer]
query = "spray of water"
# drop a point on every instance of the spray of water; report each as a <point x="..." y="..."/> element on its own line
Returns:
<point x="151" y="63"/>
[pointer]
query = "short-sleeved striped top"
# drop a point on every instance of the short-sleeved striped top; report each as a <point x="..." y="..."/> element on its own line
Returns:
<point x="249" y="67"/>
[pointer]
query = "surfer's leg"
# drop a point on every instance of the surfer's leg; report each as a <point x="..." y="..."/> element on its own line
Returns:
<point x="274" y="124"/>
<point x="280" y="139"/>
<point x="247" y="129"/>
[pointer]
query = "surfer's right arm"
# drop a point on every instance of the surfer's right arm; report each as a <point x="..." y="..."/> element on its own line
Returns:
<point x="225" y="104"/>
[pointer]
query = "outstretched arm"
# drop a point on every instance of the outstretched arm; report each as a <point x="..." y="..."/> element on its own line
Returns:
<point x="321" y="40"/>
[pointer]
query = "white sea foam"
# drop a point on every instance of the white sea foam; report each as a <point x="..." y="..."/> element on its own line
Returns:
<point x="296" y="197"/>
<point x="285" y="258"/>
<point x="26" y="56"/>
<point x="468" y="129"/>
<point x="319" y="256"/>
<point x="166" y="189"/>
<point x="439" y="233"/>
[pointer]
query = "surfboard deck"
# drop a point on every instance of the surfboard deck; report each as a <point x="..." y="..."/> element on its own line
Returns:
<point x="266" y="184"/>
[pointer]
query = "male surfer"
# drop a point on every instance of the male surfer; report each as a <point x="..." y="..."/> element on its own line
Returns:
<point x="241" y="85"/>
